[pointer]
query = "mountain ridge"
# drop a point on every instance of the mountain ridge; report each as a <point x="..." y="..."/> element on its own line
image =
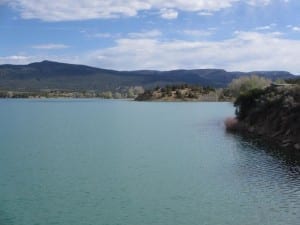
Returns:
<point x="64" y="76"/>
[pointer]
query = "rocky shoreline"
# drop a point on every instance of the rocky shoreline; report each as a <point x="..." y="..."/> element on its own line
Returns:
<point x="272" y="113"/>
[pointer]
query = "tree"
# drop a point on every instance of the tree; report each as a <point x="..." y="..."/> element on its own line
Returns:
<point x="138" y="90"/>
<point x="107" y="94"/>
<point x="130" y="93"/>
<point x="279" y="81"/>
<point x="244" y="84"/>
<point x="117" y="95"/>
<point x="179" y="94"/>
<point x="247" y="101"/>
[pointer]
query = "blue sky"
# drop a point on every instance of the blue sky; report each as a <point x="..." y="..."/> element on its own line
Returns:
<point x="243" y="35"/>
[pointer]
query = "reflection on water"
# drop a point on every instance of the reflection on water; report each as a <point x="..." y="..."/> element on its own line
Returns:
<point x="4" y="219"/>
<point x="283" y="156"/>
<point x="265" y="167"/>
<point x="117" y="162"/>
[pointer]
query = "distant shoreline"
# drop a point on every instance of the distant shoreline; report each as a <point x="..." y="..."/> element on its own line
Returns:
<point x="184" y="92"/>
<point x="174" y="93"/>
<point x="117" y="99"/>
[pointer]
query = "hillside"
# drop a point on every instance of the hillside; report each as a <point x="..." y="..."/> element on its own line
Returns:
<point x="61" y="76"/>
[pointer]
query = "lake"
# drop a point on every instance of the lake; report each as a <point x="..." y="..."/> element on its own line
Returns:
<point x="103" y="162"/>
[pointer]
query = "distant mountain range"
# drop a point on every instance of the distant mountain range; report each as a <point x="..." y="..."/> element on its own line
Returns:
<point x="61" y="76"/>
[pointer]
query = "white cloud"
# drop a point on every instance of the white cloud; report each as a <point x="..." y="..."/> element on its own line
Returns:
<point x="168" y="14"/>
<point x="263" y="28"/>
<point x="267" y="27"/>
<point x="101" y="35"/>
<point x="22" y="59"/>
<point x="67" y="10"/>
<point x="293" y="28"/>
<point x="258" y="2"/>
<point x="146" y="34"/>
<point x="197" y="33"/>
<point x="246" y="51"/>
<point x="203" y="13"/>
<point x="15" y="59"/>
<point x="50" y="46"/>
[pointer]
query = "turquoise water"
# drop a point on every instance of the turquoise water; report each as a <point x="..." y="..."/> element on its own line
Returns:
<point x="90" y="162"/>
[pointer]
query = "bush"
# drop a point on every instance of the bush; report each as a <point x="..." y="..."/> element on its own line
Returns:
<point x="246" y="101"/>
<point x="244" y="84"/>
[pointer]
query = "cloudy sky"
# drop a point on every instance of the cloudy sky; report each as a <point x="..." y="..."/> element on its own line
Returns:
<point x="242" y="35"/>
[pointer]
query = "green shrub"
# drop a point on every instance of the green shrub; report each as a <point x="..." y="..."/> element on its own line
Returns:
<point x="244" y="84"/>
<point x="246" y="101"/>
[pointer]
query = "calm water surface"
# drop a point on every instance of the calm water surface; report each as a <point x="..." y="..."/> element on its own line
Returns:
<point x="90" y="162"/>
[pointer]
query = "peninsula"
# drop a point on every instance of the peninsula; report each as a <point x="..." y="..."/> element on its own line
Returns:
<point x="182" y="92"/>
<point x="272" y="113"/>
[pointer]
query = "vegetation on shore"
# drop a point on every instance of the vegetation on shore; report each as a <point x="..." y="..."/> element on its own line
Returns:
<point x="244" y="84"/>
<point x="272" y="112"/>
<point x="121" y="93"/>
<point x="183" y="92"/>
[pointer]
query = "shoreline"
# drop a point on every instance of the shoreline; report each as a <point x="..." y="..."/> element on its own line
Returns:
<point x="109" y="99"/>
<point x="121" y="99"/>
<point x="253" y="133"/>
<point x="272" y="114"/>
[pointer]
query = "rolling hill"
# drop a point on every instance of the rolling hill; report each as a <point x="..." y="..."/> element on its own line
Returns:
<point x="61" y="76"/>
